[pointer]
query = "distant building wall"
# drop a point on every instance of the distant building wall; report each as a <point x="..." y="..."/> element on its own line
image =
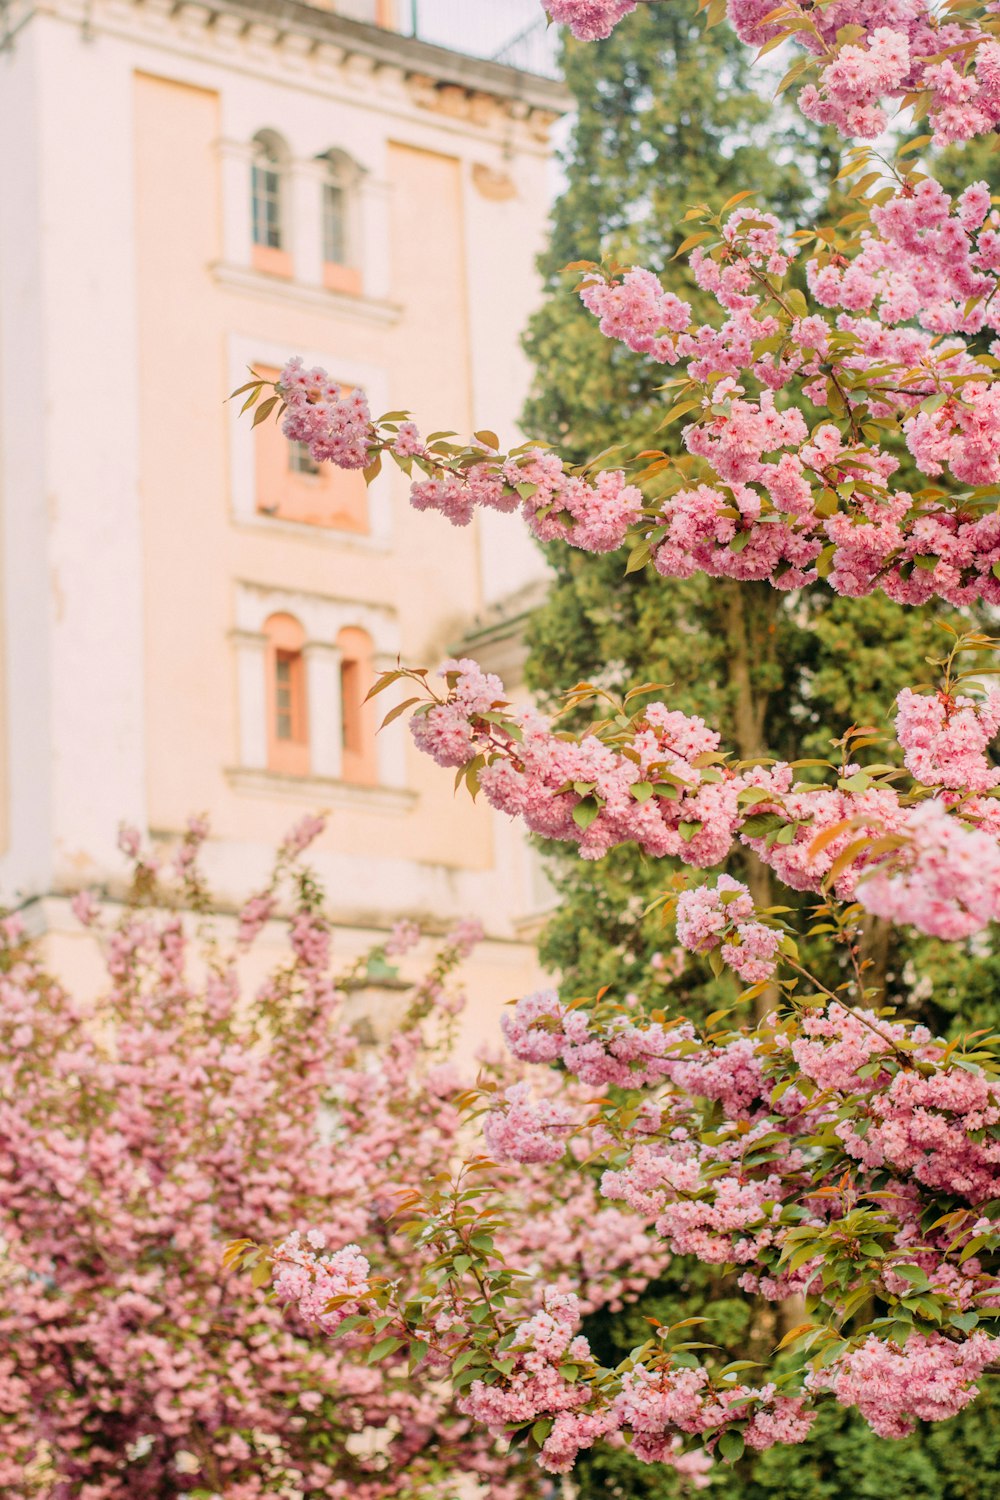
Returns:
<point x="147" y="544"/>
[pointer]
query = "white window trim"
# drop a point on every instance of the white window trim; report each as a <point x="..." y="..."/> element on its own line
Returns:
<point x="322" y="619"/>
<point x="304" y="174"/>
<point x="244" y="352"/>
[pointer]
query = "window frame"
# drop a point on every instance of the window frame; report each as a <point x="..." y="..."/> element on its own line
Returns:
<point x="359" y="762"/>
<point x="341" y="175"/>
<point x="288" y="754"/>
<point x="269" y="223"/>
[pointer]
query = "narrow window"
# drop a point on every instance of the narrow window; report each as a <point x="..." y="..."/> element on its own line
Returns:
<point x="267" y="201"/>
<point x="340" y="249"/>
<point x="357" y="674"/>
<point x="288" y="733"/>
<point x="334" y="220"/>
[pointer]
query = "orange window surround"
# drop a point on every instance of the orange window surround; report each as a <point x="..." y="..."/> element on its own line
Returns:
<point x="287" y="708"/>
<point x="338" y="278"/>
<point x="357" y="674"/>
<point x="333" y="498"/>
<point x="268" y="194"/>
<point x="272" y="260"/>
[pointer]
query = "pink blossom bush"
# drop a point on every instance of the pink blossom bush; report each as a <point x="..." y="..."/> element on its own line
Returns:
<point x="141" y="1133"/>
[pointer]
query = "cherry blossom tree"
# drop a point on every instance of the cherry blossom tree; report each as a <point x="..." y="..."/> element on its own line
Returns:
<point x="841" y="417"/>
<point x="180" y="1110"/>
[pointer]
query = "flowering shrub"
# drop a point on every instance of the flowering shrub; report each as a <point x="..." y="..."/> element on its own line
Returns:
<point x="841" y="417"/>
<point x="140" y="1133"/>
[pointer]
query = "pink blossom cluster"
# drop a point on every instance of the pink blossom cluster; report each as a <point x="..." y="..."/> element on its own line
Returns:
<point x="723" y="917"/>
<point x="657" y="1405"/>
<point x="525" y="1129"/>
<point x="945" y="739"/>
<point x="309" y="1279"/>
<point x="673" y="794"/>
<point x="590" y="20"/>
<point x="659" y="1409"/>
<point x="638" y="311"/>
<point x="929" y="1379"/>
<point x="945" y="880"/>
<point x="546" y="1340"/>
<point x="555" y="503"/>
<point x="719" y="1193"/>
<point x="906" y="46"/>
<point x="928" y="1127"/>
<point x="783" y="503"/>
<point x="540" y="1028"/>
<point x="834" y="1044"/>
<point x="774" y="497"/>
<point x="334" y="424"/>
<point x="405" y="935"/>
<point x="926" y="257"/>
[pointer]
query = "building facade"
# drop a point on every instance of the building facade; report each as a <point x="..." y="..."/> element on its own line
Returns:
<point x="191" y="613"/>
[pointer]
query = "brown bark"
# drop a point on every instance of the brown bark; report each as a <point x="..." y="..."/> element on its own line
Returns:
<point x="749" y="624"/>
<point x="874" y="951"/>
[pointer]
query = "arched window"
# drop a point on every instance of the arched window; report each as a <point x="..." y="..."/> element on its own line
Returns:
<point x="268" y="179"/>
<point x="287" y="709"/>
<point x="341" y="257"/>
<point x="357" y="674"/>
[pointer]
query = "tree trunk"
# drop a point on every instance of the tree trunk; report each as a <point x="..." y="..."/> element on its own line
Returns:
<point x="749" y="613"/>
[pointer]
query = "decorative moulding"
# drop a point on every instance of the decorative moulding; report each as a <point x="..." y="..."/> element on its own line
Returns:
<point x="340" y="304"/>
<point x="322" y="789"/>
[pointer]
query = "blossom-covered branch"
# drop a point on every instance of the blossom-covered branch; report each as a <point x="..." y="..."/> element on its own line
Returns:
<point x="927" y="854"/>
<point x="784" y="491"/>
<point x="829" y="1153"/>
<point x="937" y="58"/>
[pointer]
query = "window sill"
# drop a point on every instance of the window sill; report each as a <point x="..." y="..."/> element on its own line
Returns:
<point x="327" y="536"/>
<point x="348" y="304"/>
<point x="324" y="789"/>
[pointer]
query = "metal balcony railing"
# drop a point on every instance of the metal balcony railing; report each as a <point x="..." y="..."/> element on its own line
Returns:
<point x="513" y="32"/>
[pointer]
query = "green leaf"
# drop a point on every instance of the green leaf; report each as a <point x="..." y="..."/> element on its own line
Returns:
<point x="915" y="1275"/>
<point x="638" y="557"/>
<point x="418" y="1350"/>
<point x="731" y="1445"/>
<point x="585" y="812"/>
<point x="688" y="831"/>
<point x="383" y="1348"/>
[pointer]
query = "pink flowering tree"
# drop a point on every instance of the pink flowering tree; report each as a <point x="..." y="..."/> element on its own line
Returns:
<point x="182" y="1109"/>
<point x="841" y="429"/>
